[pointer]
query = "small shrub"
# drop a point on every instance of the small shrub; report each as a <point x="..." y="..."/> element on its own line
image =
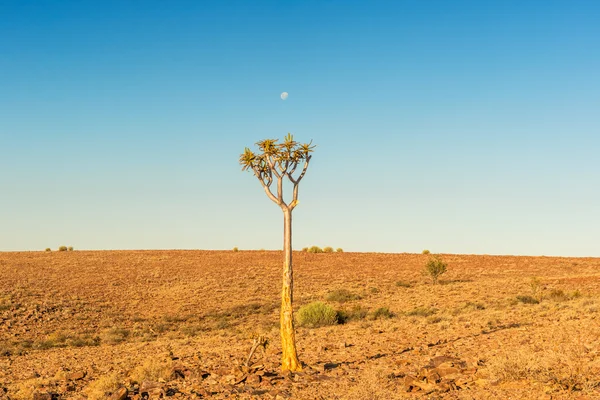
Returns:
<point x="404" y="284"/>
<point x="382" y="313"/>
<point x="316" y="314"/>
<point x="354" y="314"/>
<point x="63" y="248"/>
<point x="558" y="295"/>
<point x="305" y="249"/>
<point x="528" y="299"/>
<point x="426" y="252"/>
<point x="70" y="248"/>
<point x="235" y="249"/>
<point x="328" y="249"/>
<point x="435" y="267"/>
<point x="339" y="250"/>
<point x="153" y="370"/>
<point x="103" y="387"/>
<point x="48" y="249"/>
<point x="342" y="295"/>
<point x="421" y="312"/>
<point x="476" y="306"/>
<point x="315" y="249"/>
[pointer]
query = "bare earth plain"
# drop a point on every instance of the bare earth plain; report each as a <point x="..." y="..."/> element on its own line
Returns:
<point x="180" y="324"/>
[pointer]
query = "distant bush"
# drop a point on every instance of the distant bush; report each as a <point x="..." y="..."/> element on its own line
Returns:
<point x="426" y="251"/>
<point x="48" y="249"/>
<point x="305" y="249"/>
<point x="528" y="300"/>
<point x="315" y="249"/>
<point x="316" y="314"/>
<point x="404" y="284"/>
<point x="421" y="312"/>
<point x="63" y="248"/>
<point x="339" y="250"/>
<point x="435" y="267"/>
<point x="382" y="313"/>
<point x="70" y="248"/>
<point x="342" y="295"/>
<point x="328" y="249"/>
<point x="235" y="249"/>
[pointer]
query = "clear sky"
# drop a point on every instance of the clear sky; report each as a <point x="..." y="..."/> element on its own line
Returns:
<point x="455" y="126"/>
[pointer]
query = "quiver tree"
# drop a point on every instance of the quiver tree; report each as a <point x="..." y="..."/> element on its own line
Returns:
<point x="274" y="163"/>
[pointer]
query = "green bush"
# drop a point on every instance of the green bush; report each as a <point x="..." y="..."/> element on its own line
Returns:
<point x="426" y="251"/>
<point x="382" y="313"/>
<point x="235" y="250"/>
<point x="70" y="248"/>
<point x="339" y="250"/>
<point x="342" y="295"/>
<point x="48" y="249"/>
<point x="328" y="249"/>
<point x="435" y="267"/>
<point x="315" y="249"/>
<point x="316" y="314"/>
<point x="62" y="248"/>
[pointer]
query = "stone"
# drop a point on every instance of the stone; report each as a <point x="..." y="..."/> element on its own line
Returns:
<point x="146" y="386"/>
<point x="253" y="379"/>
<point x="42" y="396"/>
<point x="75" y="376"/>
<point x="120" y="394"/>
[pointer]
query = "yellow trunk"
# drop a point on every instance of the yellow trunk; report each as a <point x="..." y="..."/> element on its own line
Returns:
<point x="289" y="357"/>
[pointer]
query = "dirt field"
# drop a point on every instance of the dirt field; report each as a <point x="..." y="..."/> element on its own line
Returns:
<point x="180" y="324"/>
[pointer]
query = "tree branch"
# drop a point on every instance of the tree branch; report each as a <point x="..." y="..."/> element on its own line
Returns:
<point x="297" y="181"/>
<point x="267" y="187"/>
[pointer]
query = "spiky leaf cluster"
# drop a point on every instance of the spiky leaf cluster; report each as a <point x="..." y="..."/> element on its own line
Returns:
<point x="279" y="160"/>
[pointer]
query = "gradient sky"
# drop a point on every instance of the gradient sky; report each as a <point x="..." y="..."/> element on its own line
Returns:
<point x="455" y="126"/>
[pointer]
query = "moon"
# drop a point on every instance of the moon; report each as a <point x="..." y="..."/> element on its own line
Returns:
<point x="284" y="95"/>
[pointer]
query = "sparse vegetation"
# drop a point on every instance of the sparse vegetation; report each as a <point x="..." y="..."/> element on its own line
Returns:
<point x="70" y="248"/>
<point x="235" y="249"/>
<point x="48" y="249"/>
<point x="316" y="314"/>
<point x="327" y="249"/>
<point x="425" y="252"/>
<point x="315" y="249"/>
<point x="339" y="250"/>
<point x="435" y="267"/>
<point x="63" y="248"/>
<point x="342" y="295"/>
<point x="404" y="284"/>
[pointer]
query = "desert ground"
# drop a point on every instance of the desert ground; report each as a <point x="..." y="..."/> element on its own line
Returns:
<point x="180" y="324"/>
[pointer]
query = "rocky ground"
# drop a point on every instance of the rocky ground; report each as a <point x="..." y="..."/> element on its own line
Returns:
<point x="180" y="324"/>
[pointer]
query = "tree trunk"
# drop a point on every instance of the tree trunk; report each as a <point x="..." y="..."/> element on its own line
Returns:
<point x="289" y="357"/>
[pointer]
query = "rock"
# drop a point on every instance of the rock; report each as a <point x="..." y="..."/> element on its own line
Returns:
<point x="409" y="382"/>
<point x="443" y="372"/>
<point x="75" y="376"/>
<point x="42" y="396"/>
<point x="120" y="394"/>
<point x="147" y="386"/>
<point x="253" y="379"/>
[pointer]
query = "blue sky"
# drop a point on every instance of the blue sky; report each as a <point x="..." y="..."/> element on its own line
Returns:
<point x="460" y="127"/>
